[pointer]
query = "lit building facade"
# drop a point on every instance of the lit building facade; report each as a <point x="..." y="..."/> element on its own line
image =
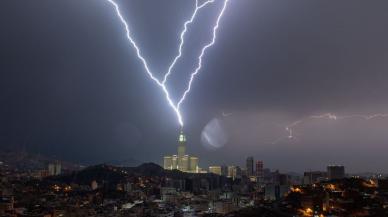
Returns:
<point x="215" y="170"/>
<point x="234" y="172"/>
<point x="181" y="161"/>
<point x="219" y="170"/>
<point x="54" y="169"/>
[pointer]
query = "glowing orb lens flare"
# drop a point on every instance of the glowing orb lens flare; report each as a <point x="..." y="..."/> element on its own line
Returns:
<point x="214" y="135"/>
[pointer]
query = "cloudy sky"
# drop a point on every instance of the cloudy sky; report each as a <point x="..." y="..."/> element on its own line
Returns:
<point x="71" y="85"/>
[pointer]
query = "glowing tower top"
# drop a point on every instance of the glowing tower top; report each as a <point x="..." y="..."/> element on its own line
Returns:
<point x="182" y="144"/>
<point x="182" y="137"/>
<point x="181" y="161"/>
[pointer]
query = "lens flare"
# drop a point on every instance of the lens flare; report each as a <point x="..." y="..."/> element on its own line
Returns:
<point x="214" y="135"/>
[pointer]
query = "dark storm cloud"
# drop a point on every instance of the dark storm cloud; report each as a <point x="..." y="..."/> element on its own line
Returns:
<point x="70" y="84"/>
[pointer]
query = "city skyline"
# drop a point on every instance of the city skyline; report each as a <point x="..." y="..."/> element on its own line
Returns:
<point x="196" y="108"/>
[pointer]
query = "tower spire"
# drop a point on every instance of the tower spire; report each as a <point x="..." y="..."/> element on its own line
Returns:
<point x="181" y="161"/>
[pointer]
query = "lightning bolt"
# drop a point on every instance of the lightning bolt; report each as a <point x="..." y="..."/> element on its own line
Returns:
<point x="162" y="84"/>
<point x="329" y="116"/>
<point x="182" y="41"/>
<point x="199" y="66"/>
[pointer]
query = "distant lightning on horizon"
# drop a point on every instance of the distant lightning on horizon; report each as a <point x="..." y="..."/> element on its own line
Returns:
<point x="162" y="83"/>
<point x="328" y="116"/>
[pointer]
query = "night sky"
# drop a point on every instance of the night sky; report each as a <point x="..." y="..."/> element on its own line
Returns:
<point x="71" y="85"/>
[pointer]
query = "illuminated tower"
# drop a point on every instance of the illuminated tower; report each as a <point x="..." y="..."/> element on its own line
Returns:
<point x="181" y="161"/>
<point x="181" y="145"/>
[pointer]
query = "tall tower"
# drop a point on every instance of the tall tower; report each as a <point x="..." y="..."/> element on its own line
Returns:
<point x="181" y="145"/>
<point x="181" y="161"/>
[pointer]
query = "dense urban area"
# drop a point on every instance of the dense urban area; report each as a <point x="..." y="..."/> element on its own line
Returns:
<point x="34" y="186"/>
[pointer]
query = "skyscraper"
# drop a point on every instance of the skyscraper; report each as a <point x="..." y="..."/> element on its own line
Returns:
<point x="181" y="161"/>
<point x="335" y="172"/>
<point x="181" y="145"/>
<point x="250" y="169"/>
<point x="259" y="170"/>
<point x="234" y="172"/>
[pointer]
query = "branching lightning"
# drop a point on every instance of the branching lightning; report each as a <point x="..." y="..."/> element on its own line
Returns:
<point x="328" y="116"/>
<point x="202" y="54"/>
<point x="182" y="40"/>
<point x="162" y="84"/>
